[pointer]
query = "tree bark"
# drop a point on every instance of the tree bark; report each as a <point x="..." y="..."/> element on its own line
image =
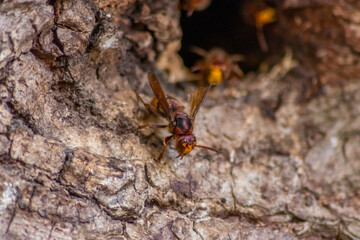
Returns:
<point x="289" y="166"/>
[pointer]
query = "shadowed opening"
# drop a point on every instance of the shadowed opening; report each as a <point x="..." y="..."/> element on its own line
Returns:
<point x="224" y="24"/>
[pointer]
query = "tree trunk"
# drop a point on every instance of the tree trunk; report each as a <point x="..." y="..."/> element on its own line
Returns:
<point x="289" y="137"/>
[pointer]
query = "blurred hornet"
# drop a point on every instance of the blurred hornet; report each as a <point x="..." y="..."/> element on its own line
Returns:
<point x="217" y="65"/>
<point x="180" y="123"/>
<point x="191" y="5"/>
<point x="260" y="14"/>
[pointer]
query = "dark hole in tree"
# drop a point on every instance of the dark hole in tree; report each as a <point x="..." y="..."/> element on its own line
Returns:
<point x="222" y="25"/>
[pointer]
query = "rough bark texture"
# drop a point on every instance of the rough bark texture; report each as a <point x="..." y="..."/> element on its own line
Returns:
<point x="290" y="164"/>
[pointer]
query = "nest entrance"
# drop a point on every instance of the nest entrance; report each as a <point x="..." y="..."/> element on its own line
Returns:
<point x="224" y="24"/>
